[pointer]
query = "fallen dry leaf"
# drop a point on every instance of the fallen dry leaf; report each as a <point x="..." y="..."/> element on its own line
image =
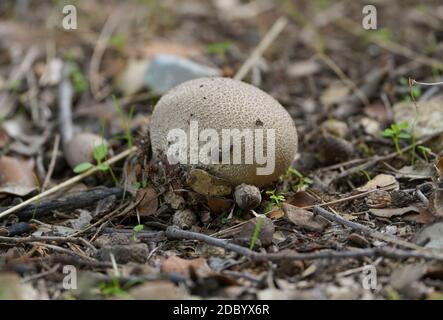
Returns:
<point x="304" y="218"/>
<point x="202" y="182"/>
<point x="17" y="176"/>
<point x="380" y="181"/>
<point x="392" y="212"/>
<point x="302" y="199"/>
<point x="219" y="205"/>
<point x="178" y="265"/>
<point x="149" y="201"/>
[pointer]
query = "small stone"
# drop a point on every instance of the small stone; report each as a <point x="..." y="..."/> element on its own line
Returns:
<point x="247" y="196"/>
<point x="184" y="219"/>
<point x="167" y="71"/>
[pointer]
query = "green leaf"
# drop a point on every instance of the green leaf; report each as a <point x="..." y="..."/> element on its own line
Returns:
<point x="388" y="133"/>
<point x="138" y="228"/>
<point x="82" y="167"/>
<point x="404" y="135"/>
<point x="100" y="152"/>
<point x="103" y="167"/>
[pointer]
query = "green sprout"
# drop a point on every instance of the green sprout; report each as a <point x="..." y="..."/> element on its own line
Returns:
<point x="141" y="184"/>
<point x="112" y="288"/>
<point x="256" y="232"/>
<point x="425" y="151"/>
<point x="99" y="153"/>
<point x="415" y="92"/>
<point x="125" y="121"/>
<point x="138" y="228"/>
<point x="396" y="132"/>
<point x="79" y="81"/>
<point x="276" y="197"/>
<point x="218" y="47"/>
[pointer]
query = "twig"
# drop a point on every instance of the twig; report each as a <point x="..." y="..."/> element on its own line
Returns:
<point x="375" y="159"/>
<point x="52" y="163"/>
<point x="364" y="229"/>
<point x="80" y="241"/>
<point x="272" y="34"/>
<point x="65" y="94"/>
<point x="67" y="183"/>
<point x="102" y="42"/>
<point x="79" y="200"/>
<point x="175" y="233"/>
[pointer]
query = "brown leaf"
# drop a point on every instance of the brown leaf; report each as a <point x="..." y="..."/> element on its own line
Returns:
<point x="436" y="203"/>
<point x="219" y="205"/>
<point x="17" y="176"/>
<point x="202" y="182"/>
<point x="149" y="203"/>
<point x="392" y="212"/>
<point x="439" y="167"/>
<point x="304" y="218"/>
<point x="380" y="181"/>
<point x="175" y="264"/>
<point x="302" y="199"/>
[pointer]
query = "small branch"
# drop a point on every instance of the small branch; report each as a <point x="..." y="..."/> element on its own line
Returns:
<point x="268" y="39"/>
<point x="65" y="184"/>
<point x="32" y="239"/>
<point x="174" y="233"/>
<point x="413" y="81"/>
<point x="375" y="159"/>
<point x="52" y="163"/>
<point x="80" y="200"/>
<point x="364" y="229"/>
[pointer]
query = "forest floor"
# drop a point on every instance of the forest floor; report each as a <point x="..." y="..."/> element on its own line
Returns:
<point x="357" y="216"/>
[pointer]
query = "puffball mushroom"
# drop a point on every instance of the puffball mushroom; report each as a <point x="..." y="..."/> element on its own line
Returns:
<point x="223" y="105"/>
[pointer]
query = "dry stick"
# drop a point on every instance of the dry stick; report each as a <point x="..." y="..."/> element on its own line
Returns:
<point x="102" y="42"/>
<point x="52" y="163"/>
<point x="67" y="183"/>
<point x="65" y="95"/>
<point x="366" y="230"/>
<point x="375" y="159"/>
<point x="272" y="34"/>
<point x="173" y="233"/>
<point x="80" y="241"/>
<point x="355" y="196"/>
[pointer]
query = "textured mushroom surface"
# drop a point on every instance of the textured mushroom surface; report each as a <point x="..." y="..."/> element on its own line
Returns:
<point x="223" y="103"/>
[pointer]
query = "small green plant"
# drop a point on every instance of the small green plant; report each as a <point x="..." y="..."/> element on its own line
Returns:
<point x="141" y="184"/>
<point x="100" y="151"/>
<point x="125" y="121"/>
<point x="425" y="152"/>
<point x="396" y="132"/>
<point x="366" y="174"/>
<point x="276" y="197"/>
<point x="118" y="43"/>
<point x="138" y="228"/>
<point x="79" y="81"/>
<point x="301" y="182"/>
<point x="415" y="92"/>
<point x="112" y="288"/>
<point x="256" y="233"/>
<point x="218" y="47"/>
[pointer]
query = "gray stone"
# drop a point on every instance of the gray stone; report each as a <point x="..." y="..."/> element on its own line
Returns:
<point x="167" y="71"/>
